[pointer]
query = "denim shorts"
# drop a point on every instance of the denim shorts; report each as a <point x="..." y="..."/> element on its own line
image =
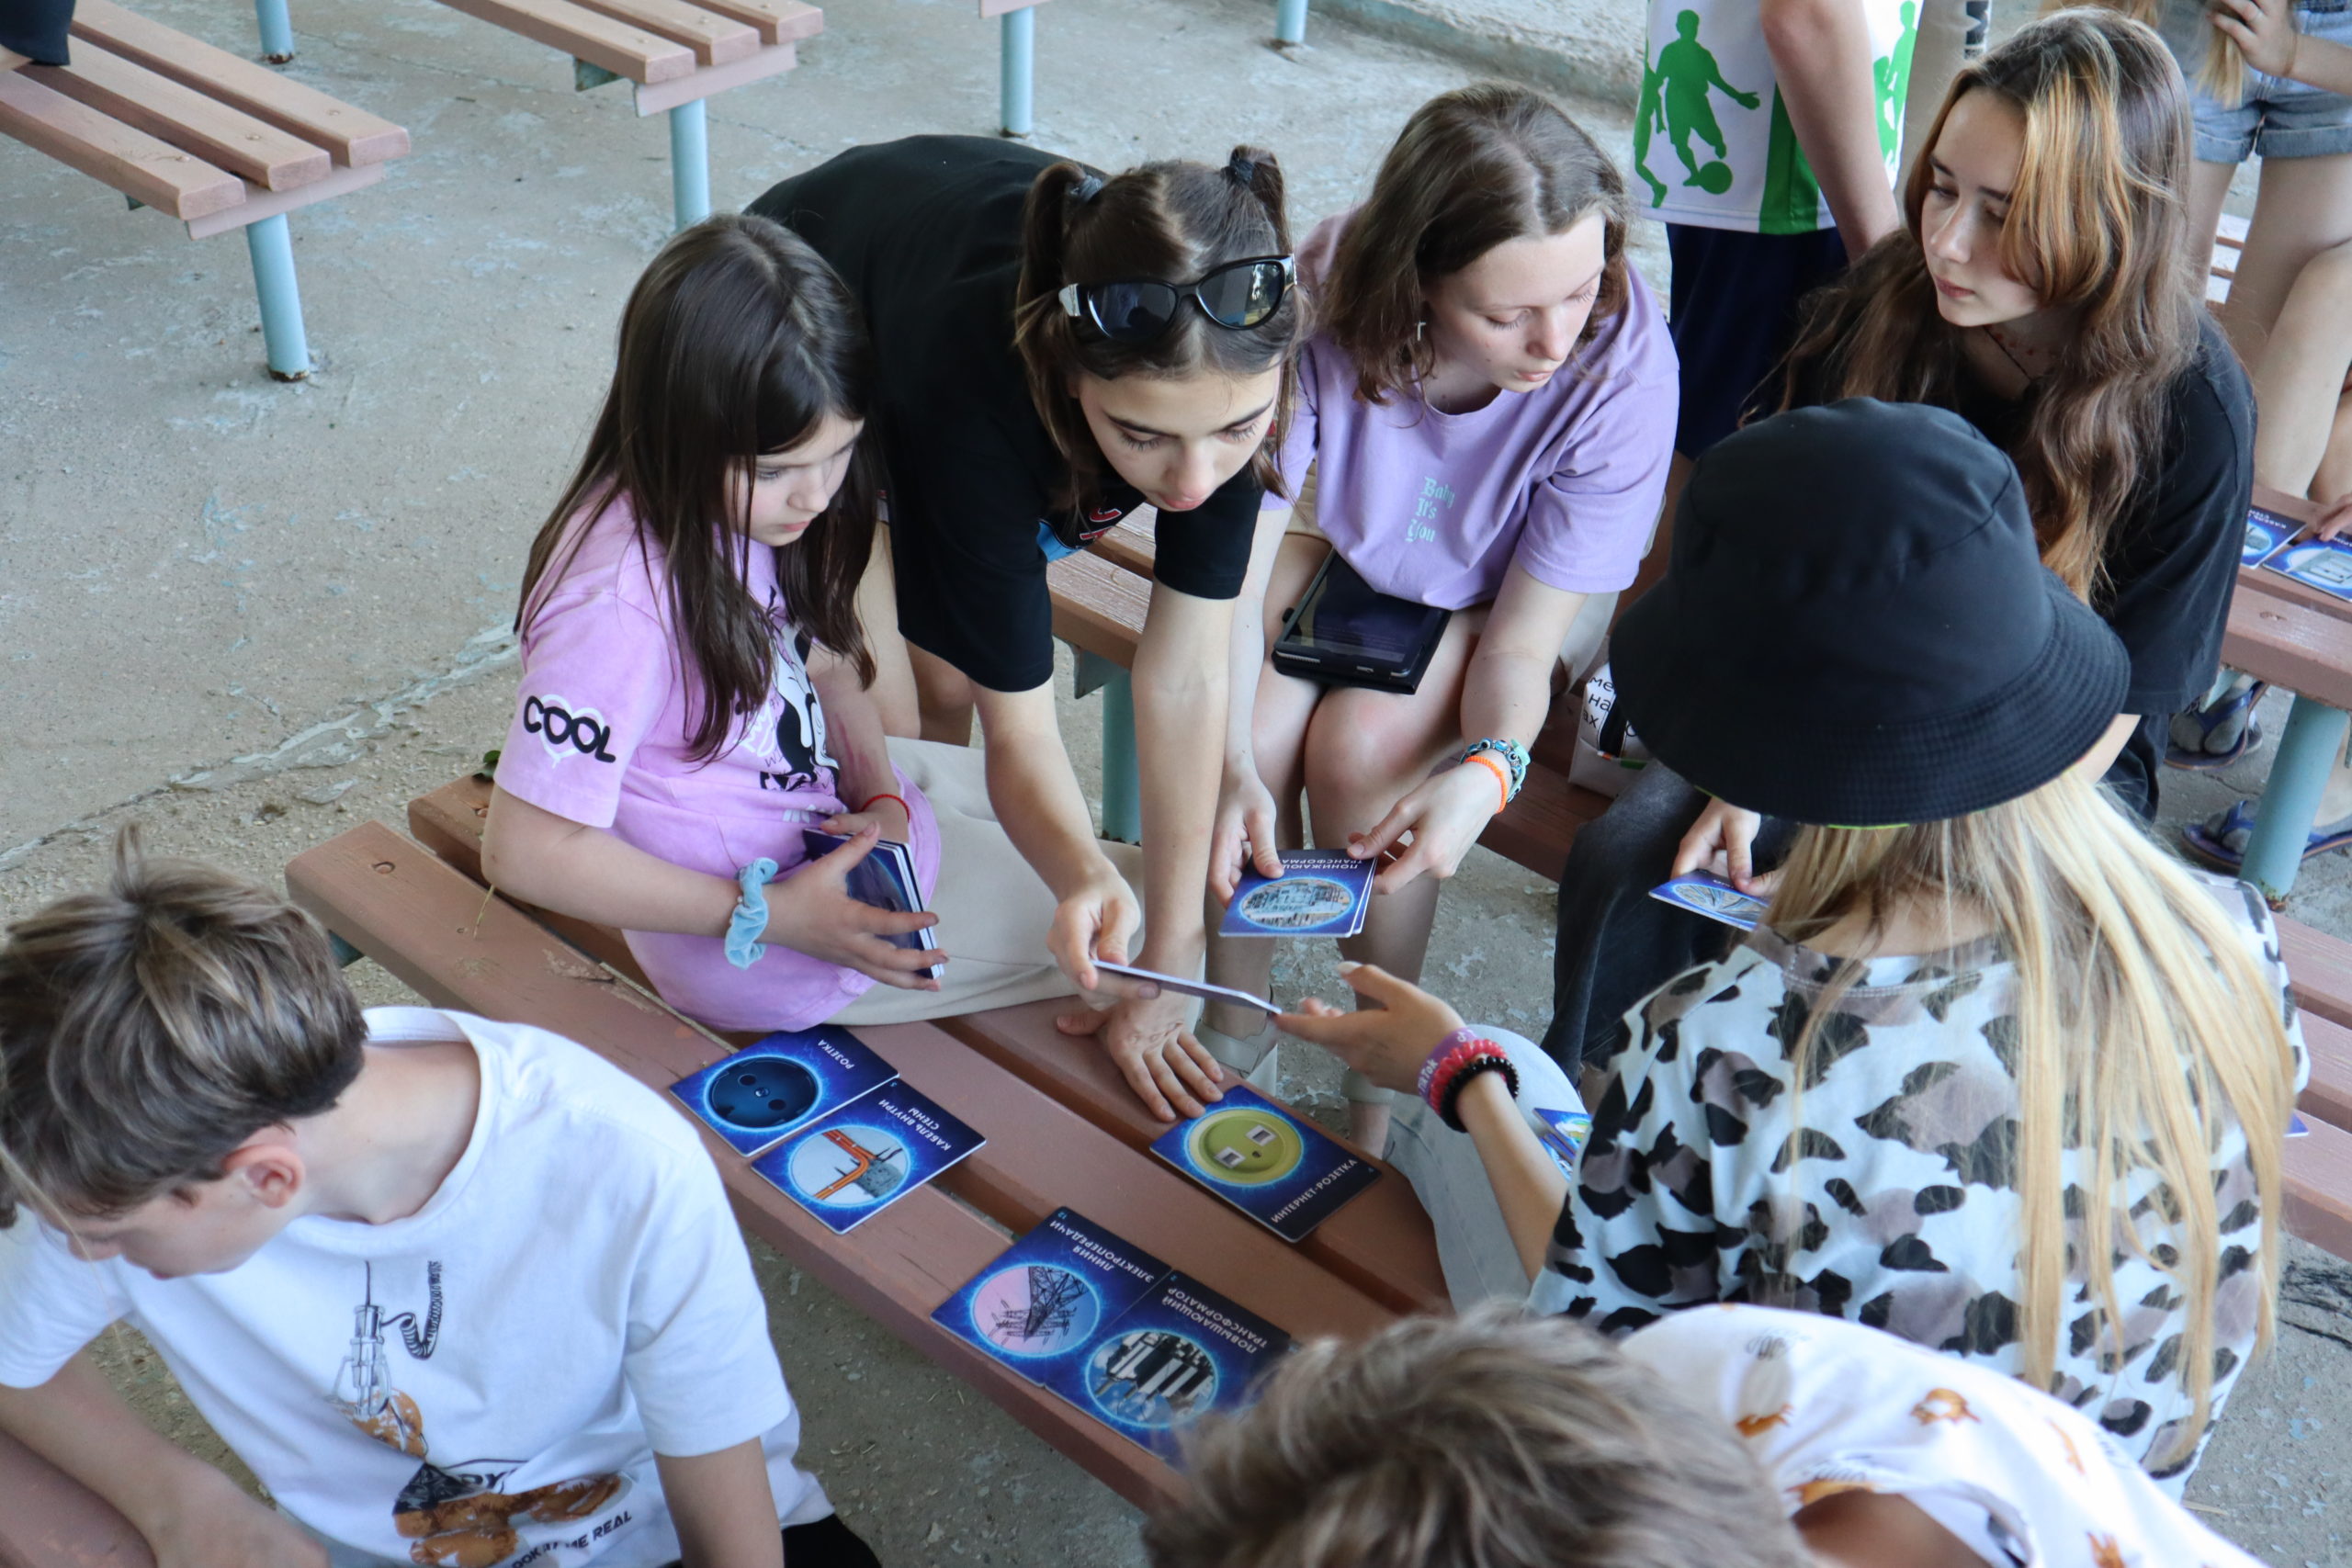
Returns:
<point x="2277" y="118"/>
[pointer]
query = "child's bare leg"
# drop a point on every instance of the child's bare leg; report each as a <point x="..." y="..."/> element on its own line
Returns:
<point x="2208" y="187"/>
<point x="2299" y="380"/>
<point x="2333" y="481"/>
<point x="1365" y="751"/>
<point x="1238" y="1036"/>
<point x="2306" y="208"/>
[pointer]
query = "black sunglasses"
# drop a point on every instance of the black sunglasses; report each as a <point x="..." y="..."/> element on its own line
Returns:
<point x="1235" y="296"/>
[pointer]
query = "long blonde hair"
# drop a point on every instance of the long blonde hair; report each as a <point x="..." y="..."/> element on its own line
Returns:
<point x="2144" y="1030"/>
<point x="2097" y="222"/>
<point x="2221" y="70"/>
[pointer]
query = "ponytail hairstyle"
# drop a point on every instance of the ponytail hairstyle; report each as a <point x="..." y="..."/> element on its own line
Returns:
<point x="2097" y="222"/>
<point x="1170" y="222"/>
<point x="736" y="343"/>
<point x="2143" y="1031"/>
<point x="1472" y="169"/>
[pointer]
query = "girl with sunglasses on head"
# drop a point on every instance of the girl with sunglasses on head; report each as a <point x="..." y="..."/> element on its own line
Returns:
<point x="1055" y="351"/>
<point x="2042" y="288"/>
<point x="1488" y="410"/>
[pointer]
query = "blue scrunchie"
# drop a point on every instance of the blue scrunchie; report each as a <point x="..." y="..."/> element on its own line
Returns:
<point x="744" y="947"/>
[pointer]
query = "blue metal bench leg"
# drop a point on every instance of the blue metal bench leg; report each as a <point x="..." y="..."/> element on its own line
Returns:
<point x="1290" y="21"/>
<point x="1016" y="70"/>
<point x="690" y="163"/>
<point x="272" y="249"/>
<point x="1122" y="778"/>
<point x="2313" y="739"/>
<point x="276" y="30"/>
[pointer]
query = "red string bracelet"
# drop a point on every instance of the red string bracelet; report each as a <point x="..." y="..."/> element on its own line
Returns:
<point x="885" y="795"/>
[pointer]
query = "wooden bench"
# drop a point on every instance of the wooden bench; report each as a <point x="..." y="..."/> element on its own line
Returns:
<point x="213" y="140"/>
<point x="1062" y="1125"/>
<point x="678" y="52"/>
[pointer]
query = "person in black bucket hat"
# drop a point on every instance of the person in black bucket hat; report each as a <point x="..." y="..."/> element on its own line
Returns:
<point x="1857" y="628"/>
<point x="1985" y="1010"/>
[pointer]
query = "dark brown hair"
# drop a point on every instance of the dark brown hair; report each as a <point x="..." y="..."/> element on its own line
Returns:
<point x="736" y="343"/>
<point x="2097" y="222"/>
<point x="1472" y="169"/>
<point x="149" y="1029"/>
<point x="1169" y="221"/>
<point x="1490" y="1440"/>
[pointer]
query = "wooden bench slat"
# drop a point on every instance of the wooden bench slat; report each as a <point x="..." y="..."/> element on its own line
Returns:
<point x="2319" y="1187"/>
<point x="1381" y="1242"/>
<point x="150" y="101"/>
<point x="2321" y="966"/>
<point x="354" y="136"/>
<point x="585" y="35"/>
<point x="716" y="39"/>
<point x="776" y="22"/>
<point x="1130" y="547"/>
<point x="2230" y="229"/>
<point x="48" y="1519"/>
<point x="1534" y="831"/>
<point x="260" y="204"/>
<point x="2276" y="633"/>
<point x="1097" y="606"/>
<point x="420" y="920"/>
<point x="133" y="161"/>
<point x="661" y="97"/>
<point x="2328" y="1095"/>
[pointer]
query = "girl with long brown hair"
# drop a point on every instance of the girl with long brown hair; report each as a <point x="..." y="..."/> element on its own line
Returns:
<point x="1487" y="409"/>
<point x="2041" y="290"/>
<point x="1995" y="1073"/>
<point x="1057" y="349"/>
<point x="693" y="699"/>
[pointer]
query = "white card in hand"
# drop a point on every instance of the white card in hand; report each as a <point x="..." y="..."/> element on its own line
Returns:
<point x="1179" y="984"/>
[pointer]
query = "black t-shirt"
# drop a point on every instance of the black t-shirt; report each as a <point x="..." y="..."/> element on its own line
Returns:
<point x="926" y="233"/>
<point x="2172" y="559"/>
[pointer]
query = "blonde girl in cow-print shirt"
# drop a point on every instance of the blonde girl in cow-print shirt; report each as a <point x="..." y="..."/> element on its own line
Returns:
<point x="1997" y="1074"/>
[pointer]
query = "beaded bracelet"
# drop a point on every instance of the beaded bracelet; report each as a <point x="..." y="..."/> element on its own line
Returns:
<point x="1437" y="1055"/>
<point x="1490" y="1059"/>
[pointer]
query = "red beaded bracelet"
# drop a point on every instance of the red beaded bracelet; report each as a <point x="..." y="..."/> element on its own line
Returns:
<point x="1450" y="1070"/>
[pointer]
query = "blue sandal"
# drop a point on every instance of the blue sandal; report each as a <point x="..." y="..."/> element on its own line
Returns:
<point x="2220" y="840"/>
<point x="2237" y="708"/>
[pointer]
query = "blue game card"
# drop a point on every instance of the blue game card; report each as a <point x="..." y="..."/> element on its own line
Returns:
<point x="756" y="1098"/>
<point x="1704" y="893"/>
<point x="1179" y="1353"/>
<point x="2296" y="1126"/>
<point x="2323" y="564"/>
<point x="1563" y="1135"/>
<point x="886" y="879"/>
<point x="1046" y="1296"/>
<point x="1319" y="893"/>
<point x="855" y="1162"/>
<point x="1282" y="1171"/>
<point x="2264" y="532"/>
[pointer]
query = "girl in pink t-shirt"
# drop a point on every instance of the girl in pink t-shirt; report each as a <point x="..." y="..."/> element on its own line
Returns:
<point x="694" y="697"/>
<point x="1489" y="409"/>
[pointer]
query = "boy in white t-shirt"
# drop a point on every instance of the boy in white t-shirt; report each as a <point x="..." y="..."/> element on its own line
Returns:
<point x="459" y="1292"/>
<point x="1735" y="1437"/>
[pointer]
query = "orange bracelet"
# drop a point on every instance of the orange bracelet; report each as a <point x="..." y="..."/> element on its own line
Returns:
<point x="1502" y="774"/>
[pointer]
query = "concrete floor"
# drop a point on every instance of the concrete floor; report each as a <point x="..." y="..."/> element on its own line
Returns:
<point x="251" y="615"/>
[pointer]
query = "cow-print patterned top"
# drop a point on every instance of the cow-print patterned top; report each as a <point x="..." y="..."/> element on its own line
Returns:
<point x="1901" y="1211"/>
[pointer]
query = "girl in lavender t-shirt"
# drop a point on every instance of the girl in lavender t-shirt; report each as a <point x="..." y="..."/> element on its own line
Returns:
<point x="694" y="690"/>
<point x="1489" y="409"/>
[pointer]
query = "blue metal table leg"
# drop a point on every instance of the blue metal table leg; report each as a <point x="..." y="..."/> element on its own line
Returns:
<point x="1016" y="70"/>
<point x="276" y="30"/>
<point x="1122" y="778"/>
<point x="689" y="163"/>
<point x="2313" y="739"/>
<point x="1290" y="21"/>
<point x="272" y="249"/>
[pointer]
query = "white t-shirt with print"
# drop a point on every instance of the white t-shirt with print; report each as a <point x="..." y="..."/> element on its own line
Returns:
<point x="488" y="1380"/>
<point x="1712" y="142"/>
<point x="1829" y="1406"/>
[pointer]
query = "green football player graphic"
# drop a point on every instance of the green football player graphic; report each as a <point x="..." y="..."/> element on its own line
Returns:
<point x="1892" y="74"/>
<point x="1675" y="90"/>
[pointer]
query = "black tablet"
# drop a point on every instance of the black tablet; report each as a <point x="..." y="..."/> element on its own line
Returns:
<point x="1345" y="633"/>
